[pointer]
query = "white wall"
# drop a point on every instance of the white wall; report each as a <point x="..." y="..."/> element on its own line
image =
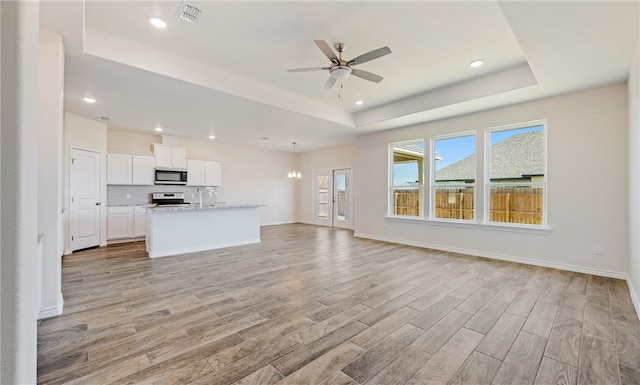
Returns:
<point x="50" y="130"/>
<point x="341" y="157"/>
<point x="249" y="175"/>
<point x="587" y="185"/>
<point x="89" y="135"/>
<point x="634" y="177"/>
<point x="18" y="189"/>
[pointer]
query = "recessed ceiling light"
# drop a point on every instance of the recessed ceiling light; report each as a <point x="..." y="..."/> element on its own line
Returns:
<point x="359" y="102"/>
<point x="158" y="23"/>
<point x="159" y="129"/>
<point x="264" y="138"/>
<point x="212" y="136"/>
<point x="476" y="63"/>
<point x="89" y="100"/>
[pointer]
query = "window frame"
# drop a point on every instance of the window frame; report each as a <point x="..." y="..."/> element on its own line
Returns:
<point x="433" y="184"/>
<point x="391" y="187"/>
<point x="487" y="222"/>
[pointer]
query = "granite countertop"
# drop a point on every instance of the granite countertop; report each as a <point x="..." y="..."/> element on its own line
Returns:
<point x="134" y="205"/>
<point x="206" y="206"/>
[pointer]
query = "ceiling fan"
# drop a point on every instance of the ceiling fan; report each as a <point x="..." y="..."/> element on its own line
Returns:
<point x="340" y="68"/>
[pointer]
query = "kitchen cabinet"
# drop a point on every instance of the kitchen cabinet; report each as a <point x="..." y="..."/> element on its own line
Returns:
<point x="212" y="174"/>
<point x="170" y="157"/>
<point x="118" y="168"/>
<point x="142" y="169"/>
<point x="119" y="222"/>
<point x="203" y="173"/>
<point x="139" y="222"/>
<point x="195" y="172"/>
<point x="126" y="222"/>
<point x="130" y="169"/>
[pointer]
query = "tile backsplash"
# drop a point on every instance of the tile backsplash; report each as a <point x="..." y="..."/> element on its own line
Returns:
<point x="141" y="195"/>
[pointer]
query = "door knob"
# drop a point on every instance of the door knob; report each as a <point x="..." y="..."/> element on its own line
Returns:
<point x="98" y="203"/>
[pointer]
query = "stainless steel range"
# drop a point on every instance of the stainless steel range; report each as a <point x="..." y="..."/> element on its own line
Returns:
<point x="169" y="199"/>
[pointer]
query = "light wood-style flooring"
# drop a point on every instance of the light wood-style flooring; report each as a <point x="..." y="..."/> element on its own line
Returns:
<point x="314" y="305"/>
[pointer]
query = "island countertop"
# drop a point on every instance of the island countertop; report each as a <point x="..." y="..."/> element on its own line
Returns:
<point x="206" y="206"/>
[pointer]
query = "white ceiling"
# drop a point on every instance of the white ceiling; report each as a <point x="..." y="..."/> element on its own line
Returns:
<point x="226" y="74"/>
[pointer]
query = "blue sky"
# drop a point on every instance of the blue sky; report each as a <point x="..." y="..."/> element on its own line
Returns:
<point x="452" y="150"/>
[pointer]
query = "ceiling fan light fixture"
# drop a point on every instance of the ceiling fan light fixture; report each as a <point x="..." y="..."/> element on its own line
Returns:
<point x="340" y="72"/>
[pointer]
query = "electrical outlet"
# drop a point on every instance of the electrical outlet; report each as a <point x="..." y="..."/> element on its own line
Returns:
<point x="128" y="196"/>
<point x="597" y="249"/>
<point x="193" y="195"/>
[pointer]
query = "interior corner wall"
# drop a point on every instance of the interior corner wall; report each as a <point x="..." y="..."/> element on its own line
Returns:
<point x="332" y="158"/>
<point x="587" y="185"/>
<point x="50" y="130"/>
<point x="85" y="134"/>
<point x="18" y="188"/>
<point x="633" y="86"/>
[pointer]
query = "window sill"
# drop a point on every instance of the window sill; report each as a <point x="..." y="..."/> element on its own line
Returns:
<point x="517" y="228"/>
<point x="405" y="218"/>
<point x="453" y="223"/>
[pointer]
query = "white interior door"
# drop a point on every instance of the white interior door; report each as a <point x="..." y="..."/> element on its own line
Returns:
<point x="333" y="202"/>
<point x="85" y="199"/>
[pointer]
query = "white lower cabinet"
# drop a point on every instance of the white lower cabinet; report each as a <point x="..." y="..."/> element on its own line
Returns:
<point x="126" y="223"/>
<point x="140" y="222"/>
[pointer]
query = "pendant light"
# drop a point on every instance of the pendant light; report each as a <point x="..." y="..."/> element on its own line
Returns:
<point x="295" y="175"/>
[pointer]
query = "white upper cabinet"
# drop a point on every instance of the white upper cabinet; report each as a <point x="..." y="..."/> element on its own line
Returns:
<point x="203" y="173"/>
<point x="195" y="172"/>
<point x="130" y="169"/>
<point x="212" y="173"/>
<point x="118" y="168"/>
<point x="178" y="157"/>
<point x="142" y="169"/>
<point x="170" y="157"/>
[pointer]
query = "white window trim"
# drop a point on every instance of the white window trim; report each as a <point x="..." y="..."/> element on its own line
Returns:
<point x="507" y="226"/>
<point x="390" y="185"/>
<point x="432" y="180"/>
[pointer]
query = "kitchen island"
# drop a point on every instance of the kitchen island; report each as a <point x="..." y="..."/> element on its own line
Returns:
<point x="181" y="229"/>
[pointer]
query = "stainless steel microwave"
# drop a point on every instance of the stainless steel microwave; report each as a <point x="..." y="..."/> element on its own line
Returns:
<point x="171" y="176"/>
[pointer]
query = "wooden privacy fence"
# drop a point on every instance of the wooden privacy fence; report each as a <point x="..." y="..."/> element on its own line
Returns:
<point x="510" y="204"/>
<point x="406" y="201"/>
<point x="454" y="203"/>
<point x="515" y="204"/>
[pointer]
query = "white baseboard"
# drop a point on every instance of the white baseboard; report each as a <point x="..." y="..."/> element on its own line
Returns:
<point x="634" y="296"/>
<point x="52" y="311"/>
<point x="502" y="257"/>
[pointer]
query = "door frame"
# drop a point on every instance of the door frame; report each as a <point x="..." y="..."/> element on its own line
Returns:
<point x="330" y="222"/>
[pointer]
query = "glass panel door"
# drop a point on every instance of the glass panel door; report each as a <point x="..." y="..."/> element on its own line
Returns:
<point x="322" y="188"/>
<point x="342" y="198"/>
<point x="332" y="198"/>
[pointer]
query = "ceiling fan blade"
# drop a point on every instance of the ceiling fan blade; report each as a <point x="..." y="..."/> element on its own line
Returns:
<point x="370" y="56"/>
<point x="308" y="69"/>
<point x="326" y="50"/>
<point x="330" y="82"/>
<point x="366" y="75"/>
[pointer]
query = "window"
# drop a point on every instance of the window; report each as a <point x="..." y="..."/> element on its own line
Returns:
<point x="406" y="179"/>
<point x="453" y="177"/>
<point x="516" y="166"/>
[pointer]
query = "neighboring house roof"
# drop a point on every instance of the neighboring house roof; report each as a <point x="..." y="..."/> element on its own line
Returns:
<point x="512" y="158"/>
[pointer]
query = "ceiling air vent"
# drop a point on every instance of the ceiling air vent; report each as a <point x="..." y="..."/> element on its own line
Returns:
<point x="188" y="12"/>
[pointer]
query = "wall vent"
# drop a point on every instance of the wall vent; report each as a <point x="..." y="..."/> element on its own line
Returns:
<point x="188" y="12"/>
